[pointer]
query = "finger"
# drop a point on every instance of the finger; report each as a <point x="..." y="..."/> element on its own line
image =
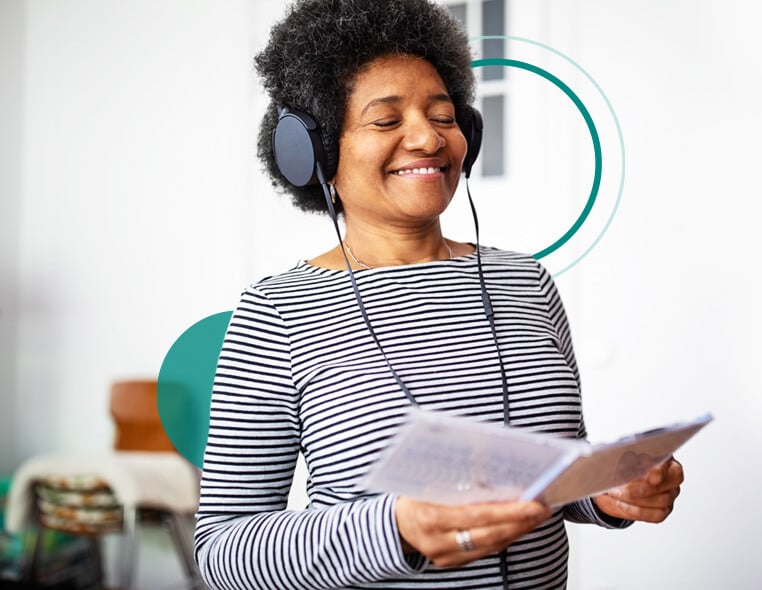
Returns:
<point x="660" y="500"/>
<point x="430" y="528"/>
<point x="438" y="518"/>
<point x="490" y="527"/>
<point x="671" y="475"/>
<point x="675" y="474"/>
<point x="646" y="487"/>
<point x="657" y="474"/>
<point x="673" y="470"/>
<point x="651" y="509"/>
<point x="652" y="514"/>
<point x="469" y="545"/>
<point x="643" y="492"/>
<point x="488" y="514"/>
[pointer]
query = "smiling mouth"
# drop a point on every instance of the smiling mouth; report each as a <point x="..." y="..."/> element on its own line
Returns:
<point x="419" y="171"/>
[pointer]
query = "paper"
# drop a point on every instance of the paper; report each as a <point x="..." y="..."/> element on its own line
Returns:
<point x="449" y="460"/>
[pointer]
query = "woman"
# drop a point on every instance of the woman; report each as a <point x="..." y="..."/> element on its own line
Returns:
<point x="327" y="357"/>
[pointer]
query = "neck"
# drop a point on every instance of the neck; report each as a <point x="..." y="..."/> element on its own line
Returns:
<point x="375" y="247"/>
<point x="370" y="250"/>
<point x="355" y="261"/>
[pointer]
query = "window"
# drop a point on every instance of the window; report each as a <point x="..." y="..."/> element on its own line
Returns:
<point x="488" y="18"/>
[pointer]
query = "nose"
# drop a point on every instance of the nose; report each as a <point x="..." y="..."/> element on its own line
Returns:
<point x="421" y="135"/>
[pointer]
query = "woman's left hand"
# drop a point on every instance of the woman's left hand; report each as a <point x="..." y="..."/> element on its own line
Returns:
<point x="649" y="499"/>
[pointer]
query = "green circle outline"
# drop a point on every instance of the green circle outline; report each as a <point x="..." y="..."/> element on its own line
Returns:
<point x="501" y="61"/>
<point x="606" y="100"/>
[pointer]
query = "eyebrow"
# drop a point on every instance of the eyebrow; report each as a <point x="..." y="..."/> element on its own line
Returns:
<point x="393" y="99"/>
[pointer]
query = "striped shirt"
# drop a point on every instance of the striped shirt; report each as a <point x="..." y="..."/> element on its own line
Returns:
<point x="299" y="372"/>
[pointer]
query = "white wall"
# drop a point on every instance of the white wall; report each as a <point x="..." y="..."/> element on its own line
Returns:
<point x="134" y="197"/>
<point x="11" y="76"/>
<point x="670" y="295"/>
<point x="132" y="207"/>
<point x="128" y="192"/>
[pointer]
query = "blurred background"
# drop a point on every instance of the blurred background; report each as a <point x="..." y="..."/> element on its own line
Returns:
<point x="132" y="206"/>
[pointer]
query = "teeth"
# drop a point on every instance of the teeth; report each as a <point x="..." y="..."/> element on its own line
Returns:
<point x="430" y="170"/>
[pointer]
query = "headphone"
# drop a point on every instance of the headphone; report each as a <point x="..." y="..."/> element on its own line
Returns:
<point x="301" y="156"/>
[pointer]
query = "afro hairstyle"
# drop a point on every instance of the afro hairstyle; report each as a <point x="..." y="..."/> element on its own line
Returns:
<point x="314" y="54"/>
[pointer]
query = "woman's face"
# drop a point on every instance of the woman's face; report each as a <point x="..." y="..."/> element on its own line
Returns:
<point x="400" y="150"/>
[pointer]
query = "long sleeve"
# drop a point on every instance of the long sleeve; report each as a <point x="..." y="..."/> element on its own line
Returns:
<point x="584" y="510"/>
<point x="244" y="536"/>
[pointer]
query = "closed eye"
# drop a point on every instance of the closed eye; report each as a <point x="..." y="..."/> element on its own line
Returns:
<point x="444" y="120"/>
<point x="385" y="123"/>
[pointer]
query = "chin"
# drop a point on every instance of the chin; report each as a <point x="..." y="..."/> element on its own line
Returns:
<point x="426" y="210"/>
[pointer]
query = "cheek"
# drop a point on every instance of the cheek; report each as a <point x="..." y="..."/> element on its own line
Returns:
<point x="352" y="175"/>
<point x="459" y="147"/>
<point x="358" y="164"/>
<point x="458" y="152"/>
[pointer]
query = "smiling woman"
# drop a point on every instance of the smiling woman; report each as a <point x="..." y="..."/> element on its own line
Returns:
<point x="326" y="358"/>
<point x="401" y="157"/>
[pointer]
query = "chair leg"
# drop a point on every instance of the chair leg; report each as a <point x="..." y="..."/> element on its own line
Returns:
<point x="128" y="556"/>
<point x="32" y="569"/>
<point x="96" y="556"/>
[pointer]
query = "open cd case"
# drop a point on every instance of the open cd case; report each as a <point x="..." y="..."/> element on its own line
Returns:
<point x="444" y="459"/>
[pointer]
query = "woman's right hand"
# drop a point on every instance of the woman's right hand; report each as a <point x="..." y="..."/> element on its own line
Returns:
<point x="433" y="529"/>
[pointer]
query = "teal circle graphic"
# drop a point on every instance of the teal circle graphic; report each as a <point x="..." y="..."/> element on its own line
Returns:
<point x="185" y="385"/>
<point x="593" y="132"/>
<point x="593" y="135"/>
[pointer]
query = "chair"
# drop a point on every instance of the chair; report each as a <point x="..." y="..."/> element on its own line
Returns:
<point x="143" y="480"/>
<point x="135" y="412"/>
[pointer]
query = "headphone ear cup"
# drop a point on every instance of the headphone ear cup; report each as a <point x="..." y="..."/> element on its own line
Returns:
<point x="472" y="128"/>
<point x="298" y="148"/>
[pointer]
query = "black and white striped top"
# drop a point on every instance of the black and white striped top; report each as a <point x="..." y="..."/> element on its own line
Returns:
<point x="299" y="371"/>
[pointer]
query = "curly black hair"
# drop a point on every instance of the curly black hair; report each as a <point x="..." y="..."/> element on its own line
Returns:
<point x="314" y="54"/>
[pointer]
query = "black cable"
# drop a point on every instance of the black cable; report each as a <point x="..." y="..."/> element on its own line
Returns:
<point x="356" y="289"/>
<point x="491" y="318"/>
<point x="488" y="312"/>
<point x="486" y="304"/>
